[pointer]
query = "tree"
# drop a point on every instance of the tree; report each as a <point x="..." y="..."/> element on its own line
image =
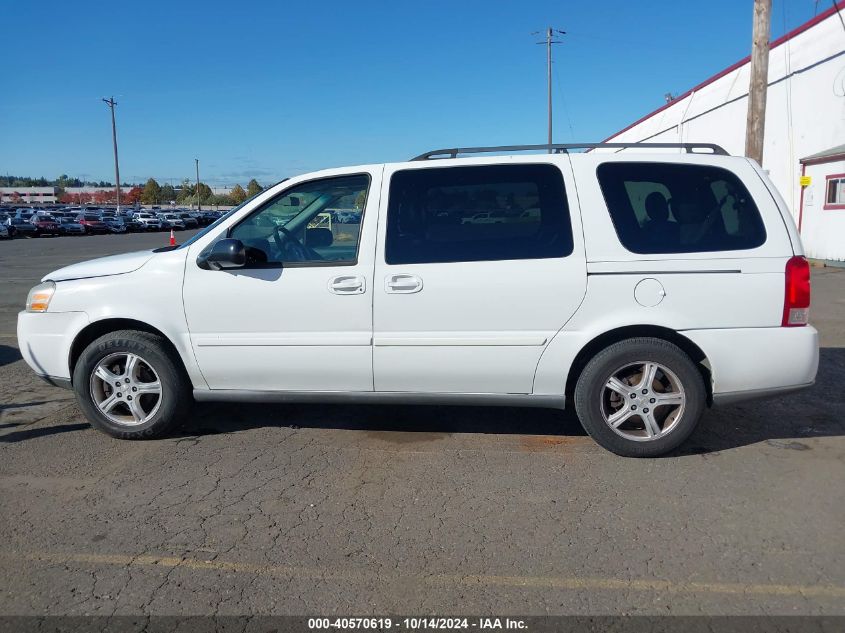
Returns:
<point x="204" y="191"/>
<point x="237" y="194"/>
<point x="131" y="197"/>
<point x="104" y="196"/>
<point x="185" y="192"/>
<point x="168" y="194"/>
<point x="151" y="193"/>
<point x="360" y="200"/>
<point x="253" y="188"/>
<point x="218" y="199"/>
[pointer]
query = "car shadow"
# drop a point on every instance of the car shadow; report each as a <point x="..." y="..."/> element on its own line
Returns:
<point x="781" y="422"/>
<point x="42" y="431"/>
<point x="22" y="405"/>
<point x="216" y="418"/>
<point x="9" y="355"/>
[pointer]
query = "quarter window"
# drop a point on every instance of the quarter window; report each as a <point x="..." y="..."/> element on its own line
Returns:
<point x="477" y="213"/>
<point x="300" y="225"/>
<point x="661" y="208"/>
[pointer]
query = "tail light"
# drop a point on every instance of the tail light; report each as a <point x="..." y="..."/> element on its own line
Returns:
<point x="796" y="299"/>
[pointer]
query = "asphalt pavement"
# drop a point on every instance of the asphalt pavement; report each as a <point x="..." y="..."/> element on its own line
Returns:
<point x="314" y="509"/>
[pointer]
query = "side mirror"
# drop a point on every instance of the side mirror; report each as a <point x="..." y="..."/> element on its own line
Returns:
<point x="223" y="254"/>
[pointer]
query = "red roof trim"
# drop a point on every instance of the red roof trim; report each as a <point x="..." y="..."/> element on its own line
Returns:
<point x="783" y="38"/>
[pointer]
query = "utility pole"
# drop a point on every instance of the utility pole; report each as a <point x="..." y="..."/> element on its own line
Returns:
<point x="758" y="86"/>
<point x="111" y="103"/>
<point x="199" y="204"/>
<point x="551" y="34"/>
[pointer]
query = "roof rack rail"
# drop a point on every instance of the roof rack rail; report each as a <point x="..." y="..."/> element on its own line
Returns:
<point x="562" y="148"/>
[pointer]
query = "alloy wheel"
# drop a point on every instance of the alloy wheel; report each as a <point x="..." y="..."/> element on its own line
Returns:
<point x="126" y="388"/>
<point x="643" y="401"/>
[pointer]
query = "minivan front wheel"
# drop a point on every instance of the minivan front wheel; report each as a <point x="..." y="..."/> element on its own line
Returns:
<point x="640" y="397"/>
<point x="129" y="385"/>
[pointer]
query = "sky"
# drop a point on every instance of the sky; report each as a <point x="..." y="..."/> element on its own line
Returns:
<point x="268" y="90"/>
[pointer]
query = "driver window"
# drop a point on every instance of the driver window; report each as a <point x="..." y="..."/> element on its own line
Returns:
<point x="316" y="221"/>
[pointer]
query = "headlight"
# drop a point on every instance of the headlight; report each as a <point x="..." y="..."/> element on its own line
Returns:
<point x="39" y="297"/>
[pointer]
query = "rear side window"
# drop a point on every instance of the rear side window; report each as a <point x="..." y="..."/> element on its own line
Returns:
<point x="660" y="208"/>
<point x="477" y="213"/>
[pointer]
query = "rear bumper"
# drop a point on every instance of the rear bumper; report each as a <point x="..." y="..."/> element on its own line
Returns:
<point x="750" y="363"/>
<point x="44" y="339"/>
<point x="757" y="394"/>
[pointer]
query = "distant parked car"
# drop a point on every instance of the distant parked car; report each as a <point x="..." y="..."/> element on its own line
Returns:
<point x="21" y="227"/>
<point x="208" y="217"/>
<point x="132" y="225"/>
<point x="92" y="223"/>
<point x="174" y="221"/>
<point x="150" y="222"/>
<point x="114" y="224"/>
<point x="346" y="216"/>
<point x="69" y="226"/>
<point x="485" y="217"/>
<point x="189" y="220"/>
<point x="46" y="225"/>
<point x="4" y="232"/>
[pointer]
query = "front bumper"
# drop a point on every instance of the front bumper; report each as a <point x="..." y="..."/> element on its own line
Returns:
<point x="45" y="339"/>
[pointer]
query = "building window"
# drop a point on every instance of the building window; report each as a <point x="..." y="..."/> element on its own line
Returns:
<point x="834" y="195"/>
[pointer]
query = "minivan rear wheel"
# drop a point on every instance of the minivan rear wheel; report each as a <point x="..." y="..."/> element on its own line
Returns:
<point x="130" y="385"/>
<point x="640" y="397"/>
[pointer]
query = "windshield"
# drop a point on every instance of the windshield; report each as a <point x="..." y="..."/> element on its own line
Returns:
<point x="92" y="218"/>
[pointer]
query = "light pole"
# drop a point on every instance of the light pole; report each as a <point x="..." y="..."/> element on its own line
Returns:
<point x="199" y="203"/>
<point x="111" y="103"/>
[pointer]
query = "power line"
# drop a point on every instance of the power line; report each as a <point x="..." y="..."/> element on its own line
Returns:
<point x="562" y="94"/>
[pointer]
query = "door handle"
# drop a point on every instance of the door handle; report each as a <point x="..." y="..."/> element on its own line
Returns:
<point x="347" y="285"/>
<point x="402" y="284"/>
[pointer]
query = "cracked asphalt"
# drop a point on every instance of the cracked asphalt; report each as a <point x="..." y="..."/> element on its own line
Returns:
<point x="356" y="510"/>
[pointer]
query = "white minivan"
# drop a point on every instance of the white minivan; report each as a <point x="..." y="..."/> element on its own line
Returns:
<point x="638" y="286"/>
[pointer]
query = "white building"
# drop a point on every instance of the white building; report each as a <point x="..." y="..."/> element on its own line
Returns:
<point x="805" y="124"/>
<point x="28" y="195"/>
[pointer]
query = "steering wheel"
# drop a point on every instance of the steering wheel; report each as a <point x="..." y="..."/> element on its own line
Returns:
<point x="288" y="242"/>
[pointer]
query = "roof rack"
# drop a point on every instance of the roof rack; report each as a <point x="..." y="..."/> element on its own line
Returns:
<point x="563" y="148"/>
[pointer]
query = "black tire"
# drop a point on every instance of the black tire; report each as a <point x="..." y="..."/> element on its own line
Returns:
<point x="589" y="394"/>
<point x="175" y="398"/>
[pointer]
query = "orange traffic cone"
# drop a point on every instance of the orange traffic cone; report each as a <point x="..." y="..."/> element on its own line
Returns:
<point x="172" y="238"/>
